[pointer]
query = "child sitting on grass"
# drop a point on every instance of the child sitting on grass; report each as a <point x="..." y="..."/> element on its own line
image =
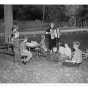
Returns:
<point x="64" y="51"/>
<point x="76" y="58"/>
<point x="26" y="54"/>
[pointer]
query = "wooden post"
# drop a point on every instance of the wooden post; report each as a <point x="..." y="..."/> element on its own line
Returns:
<point x="43" y="13"/>
<point x="8" y="21"/>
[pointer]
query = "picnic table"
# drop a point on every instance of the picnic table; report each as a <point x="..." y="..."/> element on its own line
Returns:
<point x="34" y="46"/>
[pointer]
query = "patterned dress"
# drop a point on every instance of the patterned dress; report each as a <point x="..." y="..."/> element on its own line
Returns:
<point x="77" y="56"/>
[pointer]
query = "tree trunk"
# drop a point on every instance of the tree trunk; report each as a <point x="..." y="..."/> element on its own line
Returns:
<point x="43" y="13"/>
<point x="8" y="21"/>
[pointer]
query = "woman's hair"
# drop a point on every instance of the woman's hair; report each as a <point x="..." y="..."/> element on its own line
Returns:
<point x="53" y="24"/>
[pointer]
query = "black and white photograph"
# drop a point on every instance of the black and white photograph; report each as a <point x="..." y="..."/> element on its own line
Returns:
<point x="43" y="43"/>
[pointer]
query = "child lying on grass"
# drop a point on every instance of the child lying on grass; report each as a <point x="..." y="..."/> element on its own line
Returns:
<point x="76" y="55"/>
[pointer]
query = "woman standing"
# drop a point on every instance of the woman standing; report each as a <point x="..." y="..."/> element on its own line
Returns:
<point x="52" y="36"/>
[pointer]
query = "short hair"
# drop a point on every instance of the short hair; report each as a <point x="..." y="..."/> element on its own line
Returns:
<point x="76" y="43"/>
<point x="51" y="23"/>
<point x="14" y="26"/>
<point x="62" y="44"/>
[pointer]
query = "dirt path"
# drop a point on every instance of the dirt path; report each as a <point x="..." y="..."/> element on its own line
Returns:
<point x="40" y="71"/>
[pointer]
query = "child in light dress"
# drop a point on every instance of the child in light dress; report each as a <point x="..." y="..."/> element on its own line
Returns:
<point x="65" y="51"/>
<point x="14" y="33"/>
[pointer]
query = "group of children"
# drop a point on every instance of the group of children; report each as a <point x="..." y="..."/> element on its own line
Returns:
<point x="26" y="45"/>
<point x="65" y="52"/>
<point x="20" y="50"/>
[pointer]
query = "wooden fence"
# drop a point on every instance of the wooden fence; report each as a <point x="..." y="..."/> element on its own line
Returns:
<point x="62" y="31"/>
<point x="27" y="28"/>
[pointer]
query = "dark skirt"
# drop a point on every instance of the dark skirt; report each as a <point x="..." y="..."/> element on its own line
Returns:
<point x="52" y="43"/>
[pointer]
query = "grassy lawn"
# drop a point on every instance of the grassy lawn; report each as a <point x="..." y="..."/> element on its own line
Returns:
<point x="41" y="70"/>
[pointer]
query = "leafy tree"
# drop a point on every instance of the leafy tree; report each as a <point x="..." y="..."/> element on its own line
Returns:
<point x="27" y="12"/>
<point x="56" y="13"/>
<point x="72" y="15"/>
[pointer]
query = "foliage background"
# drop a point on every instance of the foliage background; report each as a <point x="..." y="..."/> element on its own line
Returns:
<point x="65" y="15"/>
